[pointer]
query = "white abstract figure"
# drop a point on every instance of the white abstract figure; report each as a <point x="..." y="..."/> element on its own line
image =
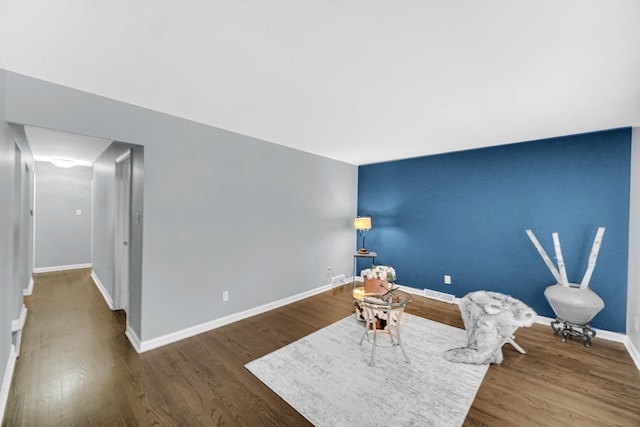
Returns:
<point x="490" y="319"/>
<point x="575" y="305"/>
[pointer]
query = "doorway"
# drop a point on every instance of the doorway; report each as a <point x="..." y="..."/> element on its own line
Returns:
<point x="22" y="220"/>
<point x="122" y="234"/>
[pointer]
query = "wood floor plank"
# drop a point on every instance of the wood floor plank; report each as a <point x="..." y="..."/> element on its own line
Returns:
<point x="77" y="368"/>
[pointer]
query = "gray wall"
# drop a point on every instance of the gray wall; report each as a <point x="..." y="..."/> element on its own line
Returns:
<point x="633" y="291"/>
<point x="15" y="231"/>
<point x="6" y="232"/>
<point x="104" y="221"/>
<point x="62" y="237"/>
<point x="222" y="211"/>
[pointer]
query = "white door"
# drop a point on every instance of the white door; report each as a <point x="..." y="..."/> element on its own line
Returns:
<point x="122" y="234"/>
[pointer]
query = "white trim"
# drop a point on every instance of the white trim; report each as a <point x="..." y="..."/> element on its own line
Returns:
<point x="33" y="243"/>
<point x="339" y="280"/>
<point x="431" y="294"/>
<point x="18" y="324"/>
<point x="124" y="156"/>
<point x="29" y="289"/>
<point x="16" y="329"/>
<point x="102" y="289"/>
<point x="633" y="351"/>
<point x="143" y="346"/>
<point x="61" y="268"/>
<point x="213" y="324"/>
<point x="133" y="338"/>
<point x="439" y="296"/>
<point x="6" y="381"/>
<point x="600" y="333"/>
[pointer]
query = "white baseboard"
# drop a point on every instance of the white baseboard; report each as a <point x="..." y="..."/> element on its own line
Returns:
<point x="606" y="335"/>
<point x="6" y="382"/>
<point x="61" y="268"/>
<point x="102" y="290"/>
<point x="133" y="338"/>
<point x="18" y="324"/>
<point x="207" y="326"/>
<point x="29" y="289"/>
<point x="633" y="351"/>
<point x="338" y="280"/>
<point x="439" y="296"/>
<point x="431" y="294"/>
<point x="142" y="346"/>
<point x="16" y="329"/>
<point x="600" y="333"/>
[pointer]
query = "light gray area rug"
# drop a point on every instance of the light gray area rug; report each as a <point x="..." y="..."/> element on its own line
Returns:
<point x="327" y="378"/>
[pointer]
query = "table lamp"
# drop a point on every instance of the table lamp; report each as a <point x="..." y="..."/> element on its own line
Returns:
<point x="363" y="225"/>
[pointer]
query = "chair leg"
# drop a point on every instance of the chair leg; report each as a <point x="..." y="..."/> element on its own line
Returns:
<point x="373" y="348"/>
<point x="364" y="334"/>
<point x="516" y="346"/>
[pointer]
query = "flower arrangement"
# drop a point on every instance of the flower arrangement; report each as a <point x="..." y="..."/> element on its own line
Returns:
<point x="379" y="272"/>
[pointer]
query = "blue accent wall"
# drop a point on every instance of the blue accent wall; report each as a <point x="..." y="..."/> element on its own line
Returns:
<point x="465" y="214"/>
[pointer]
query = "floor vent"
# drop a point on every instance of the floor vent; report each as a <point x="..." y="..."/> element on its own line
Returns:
<point x="440" y="296"/>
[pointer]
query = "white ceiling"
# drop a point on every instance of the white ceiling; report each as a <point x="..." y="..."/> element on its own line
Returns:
<point x="48" y="145"/>
<point x="361" y="81"/>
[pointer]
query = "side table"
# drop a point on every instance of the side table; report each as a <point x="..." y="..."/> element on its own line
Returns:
<point x="357" y="255"/>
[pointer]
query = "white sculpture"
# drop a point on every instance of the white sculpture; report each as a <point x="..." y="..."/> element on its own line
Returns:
<point x="490" y="319"/>
<point x="575" y="305"/>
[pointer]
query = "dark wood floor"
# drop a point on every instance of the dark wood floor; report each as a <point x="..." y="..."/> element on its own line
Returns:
<point x="77" y="368"/>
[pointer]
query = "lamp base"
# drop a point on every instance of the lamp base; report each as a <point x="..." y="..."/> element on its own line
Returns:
<point x="363" y="251"/>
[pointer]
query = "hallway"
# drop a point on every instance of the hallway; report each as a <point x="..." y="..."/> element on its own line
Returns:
<point x="77" y="368"/>
<point x="71" y="365"/>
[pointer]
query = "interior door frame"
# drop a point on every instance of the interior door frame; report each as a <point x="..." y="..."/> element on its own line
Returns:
<point x="18" y="216"/>
<point x="122" y="232"/>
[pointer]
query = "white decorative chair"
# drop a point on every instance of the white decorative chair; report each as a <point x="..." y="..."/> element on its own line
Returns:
<point x="575" y="305"/>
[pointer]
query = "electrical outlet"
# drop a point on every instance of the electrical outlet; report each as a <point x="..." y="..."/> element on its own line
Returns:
<point x="225" y="295"/>
<point x="447" y="279"/>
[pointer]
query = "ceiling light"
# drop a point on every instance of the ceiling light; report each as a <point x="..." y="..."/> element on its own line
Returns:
<point x="63" y="163"/>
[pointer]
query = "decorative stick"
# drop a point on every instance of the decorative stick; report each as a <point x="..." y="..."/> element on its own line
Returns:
<point x="563" y="271"/>
<point x="595" y="249"/>
<point x="544" y="256"/>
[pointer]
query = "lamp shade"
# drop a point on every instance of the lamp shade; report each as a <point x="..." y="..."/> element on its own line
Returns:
<point x="362" y="223"/>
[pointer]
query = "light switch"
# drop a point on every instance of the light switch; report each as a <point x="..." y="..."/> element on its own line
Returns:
<point x="78" y="212"/>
